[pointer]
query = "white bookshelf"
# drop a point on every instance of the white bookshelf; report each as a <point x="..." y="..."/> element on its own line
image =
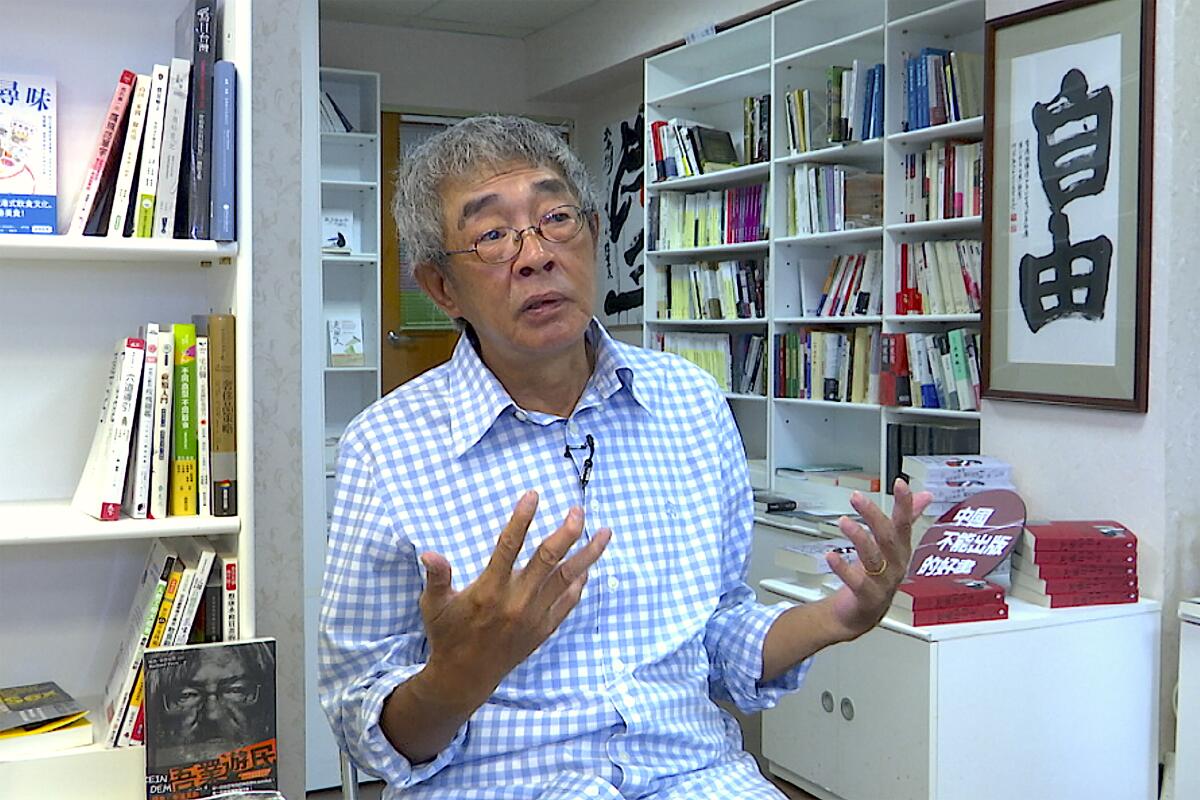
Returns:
<point x="791" y="48"/>
<point x="67" y="580"/>
<point x="348" y="288"/>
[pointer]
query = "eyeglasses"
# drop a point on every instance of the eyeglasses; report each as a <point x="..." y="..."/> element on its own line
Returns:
<point x="559" y="225"/>
<point x="188" y="698"/>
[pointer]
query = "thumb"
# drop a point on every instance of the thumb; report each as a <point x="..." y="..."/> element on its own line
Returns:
<point x="437" y="577"/>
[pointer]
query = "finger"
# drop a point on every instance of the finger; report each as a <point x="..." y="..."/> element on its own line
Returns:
<point x="565" y="603"/>
<point x="512" y="538"/>
<point x="853" y="578"/>
<point x="552" y="550"/>
<point x="438" y="573"/>
<point x="870" y="555"/>
<point x="881" y="527"/>
<point x="569" y="571"/>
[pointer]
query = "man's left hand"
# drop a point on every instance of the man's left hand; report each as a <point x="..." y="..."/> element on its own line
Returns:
<point x="884" y="549"/>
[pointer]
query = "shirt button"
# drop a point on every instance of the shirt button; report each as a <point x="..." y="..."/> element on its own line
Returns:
<point x="521" y="416"/>
<point x="572" y="429"/>
<point x="613" y="583"/>
<point x="618" y="665"/>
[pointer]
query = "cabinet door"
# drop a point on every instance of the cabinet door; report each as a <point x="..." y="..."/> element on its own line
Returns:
<point x="800" y="734"/>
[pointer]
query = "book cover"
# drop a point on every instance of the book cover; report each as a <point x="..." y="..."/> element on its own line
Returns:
<point x="946" y="616"/>
<point x="809" y="557"/>
<point x="147" y="180"/>
<point x="164" y="394"/>
<point x="1077" y="536"/>
<point x="956" y="467"/>
<point x="222" y="370"/>
<point x="203" y="440"/>
<point x="170" y="157"/>
<point x="346" y="342"/>
<point x="28" y="154"/>
<point x="183" y="432"/>
<point x="35" y="740"/>
<point x="971" y="538"/>
<point x="203" y="24"/>
<point x="224" y="153"/>
<point x="230" y="605"/>
<point x="947" y="591"/>
<point x="123" y="204"/>
<point x="210" y="719"/>
<point x="137" y="485"/>
<point x="35" y="704"/>
<point x="337" y="232"/>
<point x="100" y="163"/>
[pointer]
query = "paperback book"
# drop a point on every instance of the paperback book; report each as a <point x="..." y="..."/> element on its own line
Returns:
<point x="28" y="157"/>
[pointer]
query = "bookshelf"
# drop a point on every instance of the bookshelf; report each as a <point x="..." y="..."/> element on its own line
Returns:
<point x="348" y="289"/>
<point x="790" y="49"/>
<point x="67" y="580"/>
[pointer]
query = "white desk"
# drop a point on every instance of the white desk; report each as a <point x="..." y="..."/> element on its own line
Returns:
<point x="1187" y="730"/>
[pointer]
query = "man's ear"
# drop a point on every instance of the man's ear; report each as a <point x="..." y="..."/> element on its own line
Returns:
<point x="440" y="288"/>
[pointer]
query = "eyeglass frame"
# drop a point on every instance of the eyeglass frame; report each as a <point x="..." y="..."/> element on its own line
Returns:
<point x="519" y="233"/>
<point x="174" y="705"/>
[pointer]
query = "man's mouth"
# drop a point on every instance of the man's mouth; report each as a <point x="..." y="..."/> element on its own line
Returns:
<point x="542" y="302"/>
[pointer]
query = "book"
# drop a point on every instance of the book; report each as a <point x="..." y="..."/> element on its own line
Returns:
<point x="123" y="204"/>
<point x="971" y="538"/>
<point x="1073" y="599"/>
<point x="164" y="396"/>
<point x="100" y="163"/>
<point x="1074" y="585"/>
<point x="222" y="396"/>
<point x="202" y="26"/>
<point x="856" y="479"/>
<point x="34" y="740"/>
<point x="28" y="154"/>
<point x="183" y="431"/>
<point x="714" y="148"/>
<point x="947" y="591"/>
<point x="230" y="605"/>
<point x="346" y="342"/>
<point x="101" y="486"/>
<point x="139" y="625"/>
<point x="1077" y="536"/>
<point x="210" y="719"/>
<point x="768" y="502"/>
<point x="809" y="557"/>
<point x="930" y="468"/>
<point x="337" y="229"/>
<point x="147" y="178"/>
<point x="36" y="705"/>
<point x="137" y="485"/>
<point x="170" y="157"/>
<point x="944" y="616"/>
<point x="224" y="153"/>
<point x="1100" y="571"/>
<point x="1074" y="558"/>
<point x="203" y="446"/>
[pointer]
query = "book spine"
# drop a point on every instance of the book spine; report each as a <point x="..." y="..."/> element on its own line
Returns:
<point x="147" y="187"/>
<point x="222" y="341"/>
<point x="183" y="433"/>
<point x="976" y="613"/>
<point x="137" y="491"/>
<point x="134" y="698"/>
<point x="127" y="170"/>
<point x="171" y="155"/>
<point x="203" y="474"/>
<point x="224" y="151"/>
<point x="230" y="607"/>
<point x="161" y="437"/>
<point x="200" y="120"/>
<point x="100" y="161"/>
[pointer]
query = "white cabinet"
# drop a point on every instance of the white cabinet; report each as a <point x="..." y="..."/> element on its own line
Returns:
<point x="66" y="580"/>
<point x="1187" y="732"/>
<point x="1047" y="704"/>
<point x="707" y="82"/>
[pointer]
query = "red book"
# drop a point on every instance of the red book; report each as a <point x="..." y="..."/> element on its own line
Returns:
<point x="660" y="165"/>
<point x="1091" y="558"/>
<point x="1077" y="536"/>
<point x="1103" y="571"/>
<point x="101" y="163"/>
<point x="946" y="591"/>
<point x="1072" y="599"/>
<point x="944" y="616"/>
<point x="1075" y="585"/>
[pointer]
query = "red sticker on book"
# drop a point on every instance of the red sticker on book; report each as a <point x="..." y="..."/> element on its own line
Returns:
<point x="972" y="538"/>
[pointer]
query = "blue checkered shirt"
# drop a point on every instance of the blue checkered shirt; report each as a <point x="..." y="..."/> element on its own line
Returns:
<point x="617" y="703"/>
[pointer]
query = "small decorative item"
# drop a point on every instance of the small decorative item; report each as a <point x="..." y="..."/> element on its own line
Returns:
<point x="346" y="343"/>
<point x="337" y="232"/>
<point x="1068" y="146"/>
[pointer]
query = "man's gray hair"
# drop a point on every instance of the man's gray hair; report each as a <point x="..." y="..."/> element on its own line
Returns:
<point x="476" y="143"/>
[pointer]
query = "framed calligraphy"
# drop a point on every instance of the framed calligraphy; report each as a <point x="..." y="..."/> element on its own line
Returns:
<point x="1068" y="145"/>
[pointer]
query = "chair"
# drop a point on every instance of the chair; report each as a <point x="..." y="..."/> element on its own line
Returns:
<point x="349" y="776"/>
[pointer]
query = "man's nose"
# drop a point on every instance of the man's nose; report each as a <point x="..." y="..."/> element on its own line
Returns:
<point x="532" y="255"/>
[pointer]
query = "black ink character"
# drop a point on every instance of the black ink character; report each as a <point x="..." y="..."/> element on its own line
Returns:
<point x="1073" y="151"/>
<point x="626" y="185"/>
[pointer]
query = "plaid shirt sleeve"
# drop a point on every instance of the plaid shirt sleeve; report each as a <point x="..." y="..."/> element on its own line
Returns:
<point x="738" y="628"/>
<point x="370" y="635"/>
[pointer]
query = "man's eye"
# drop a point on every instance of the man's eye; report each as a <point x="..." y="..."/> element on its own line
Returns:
<point x="493" y="235"/>
<point x="557" y="216"/>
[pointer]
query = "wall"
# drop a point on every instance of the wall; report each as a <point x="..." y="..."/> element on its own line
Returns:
<point x="279" y="30"/>
<point x="1131" y="467"/>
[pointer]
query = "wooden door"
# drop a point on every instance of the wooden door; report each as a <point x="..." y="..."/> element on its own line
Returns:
<point x="404" y="354"/>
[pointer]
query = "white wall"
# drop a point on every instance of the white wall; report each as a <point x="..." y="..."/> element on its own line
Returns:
<point x="1131" y="467"/>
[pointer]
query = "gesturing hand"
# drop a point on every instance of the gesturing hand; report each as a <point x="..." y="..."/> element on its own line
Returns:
<point x="883" y="555"/>
<point x="478" y="635"/>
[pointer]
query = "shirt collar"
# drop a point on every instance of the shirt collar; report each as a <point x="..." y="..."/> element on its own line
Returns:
<point x="478" y="397"/>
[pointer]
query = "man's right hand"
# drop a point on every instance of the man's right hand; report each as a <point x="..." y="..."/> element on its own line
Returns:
<point x="480" y="634"/>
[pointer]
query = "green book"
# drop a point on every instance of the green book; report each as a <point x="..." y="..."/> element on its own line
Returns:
<point x="184" y="483"/>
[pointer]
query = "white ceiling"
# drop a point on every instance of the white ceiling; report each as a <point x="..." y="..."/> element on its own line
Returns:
<point x="514" y="19"/>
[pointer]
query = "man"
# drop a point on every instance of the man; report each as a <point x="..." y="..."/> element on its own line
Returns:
<point x="575" y="655"/>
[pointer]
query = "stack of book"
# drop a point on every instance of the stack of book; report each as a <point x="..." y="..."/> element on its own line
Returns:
<point x="812" y="573"/>
<point x="942" y="599"/>
<point x="1075" y="563"/>
<point x="187" y="593"/>
<point x="952" y="479"/>
<point x="166" y="437"/>
<point x="40" y="718"/>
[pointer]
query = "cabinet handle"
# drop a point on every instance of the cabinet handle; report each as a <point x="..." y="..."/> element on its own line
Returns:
<point x="847" y="709"/>
<point x="399" y="340"/>
<point x="827" y="702"/>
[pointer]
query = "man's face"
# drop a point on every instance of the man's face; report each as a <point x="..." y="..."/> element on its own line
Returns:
<point x="539" y="303"/>
<point x="213" y="708"/>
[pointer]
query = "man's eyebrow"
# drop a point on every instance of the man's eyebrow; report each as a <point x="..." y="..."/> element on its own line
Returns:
<point x="545" y="186"/>
<point x="551" y="186"/>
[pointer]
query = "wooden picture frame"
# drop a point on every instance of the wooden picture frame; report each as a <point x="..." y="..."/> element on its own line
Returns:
<point x="1068" y="145"/>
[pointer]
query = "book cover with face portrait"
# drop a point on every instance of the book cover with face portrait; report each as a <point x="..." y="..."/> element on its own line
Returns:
<point x="210" y="719"/>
